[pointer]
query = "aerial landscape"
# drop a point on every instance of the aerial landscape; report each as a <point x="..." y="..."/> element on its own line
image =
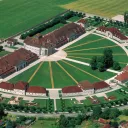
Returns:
<point x="63" y="64"/>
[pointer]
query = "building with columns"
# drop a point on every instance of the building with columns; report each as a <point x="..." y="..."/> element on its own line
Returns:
<point x="44" y="45"/>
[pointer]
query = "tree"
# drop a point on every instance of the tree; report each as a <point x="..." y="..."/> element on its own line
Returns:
<point x="106" y="113"/>
<point x="93" y="63"/>
<point x="116" y="66"/>
<point x="1" y="112"/>
<point x="114" y="113"/>
<point x="108" y="57"/>
<point x="97" y="112"/>
<point x="101" y="67"/>
<point x="1" y="48"/>
<point x="125" y="112"/>
<point x="114" y="124"/>
<point x="63" y="121"/>
<point x="9" y="124"/>
<point x="126" y="17"/>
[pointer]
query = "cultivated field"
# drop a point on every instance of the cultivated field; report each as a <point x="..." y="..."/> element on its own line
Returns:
<point x="19" y="15"/>
<point x="107" y="8"/>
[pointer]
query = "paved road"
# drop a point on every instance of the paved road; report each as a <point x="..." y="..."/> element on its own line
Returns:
<point x="54" y="115"/>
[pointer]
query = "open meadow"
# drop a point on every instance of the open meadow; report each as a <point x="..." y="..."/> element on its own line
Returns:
<point x="107" y="8"/>
<point x="19" y="15"/>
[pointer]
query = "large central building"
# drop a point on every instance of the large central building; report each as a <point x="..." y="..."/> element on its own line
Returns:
<point x="45" y="45"/>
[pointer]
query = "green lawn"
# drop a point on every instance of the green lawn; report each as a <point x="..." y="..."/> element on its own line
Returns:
<point x="42" y="77"/>
<point x="3" y="53"/>
<point x="94" y="45"/>
<point x="74" y="19"/>
<point x="45" y="124"/>
<point x="60" y="77"/>
<point x="57" y="26"/>
<point x="116" y="94"/>
<point x="41" y="102"/>
<point x="25" y="75"/>
<point x="23" y="14"/>
<point x="107" y="8"/>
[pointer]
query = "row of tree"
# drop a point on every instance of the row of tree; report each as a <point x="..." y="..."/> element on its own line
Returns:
<point x="51" y="23"/>
<point x="104" y="62"/>
<point x="32" y="109"/>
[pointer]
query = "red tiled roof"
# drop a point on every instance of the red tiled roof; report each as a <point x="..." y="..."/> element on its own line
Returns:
<point x="102" y="28"/>
<point x="107" y="126"/>
<point x="83" y="21"/>
<point x="117" y="33"/>
<point x="8" y="62"/>
<point x="36" y="89"/>
<point x="85" y="85"/>
<point x="21" y="85"/>
<point x="7" y="86"/>
<point x="114" y="31"/>
<point x="100" y="85"/>
<point x="11" y="40"/>
<point x="125" y="69"/>
<point x="71" y="89"/>
<point x="51" y="39"/>
<point x="103" y="121"/>
<point x="125" y="124"/>
<point x="122" y="77"/>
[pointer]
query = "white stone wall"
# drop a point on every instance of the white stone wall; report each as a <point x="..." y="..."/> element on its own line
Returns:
<point x="35" y="94"/>
<point x="33" y="49"/>
<point x="19" y="92"/>
<point x="102" y="33"/>
<point x="102" y="90"/>
<point x="5" y="90"/>
<point x="72" y="94"/>
<point x="88" y="92"/>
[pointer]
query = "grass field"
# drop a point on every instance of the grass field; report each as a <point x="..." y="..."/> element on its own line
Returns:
<point x="44" y="124"/>
<point x="66" y="75"/>
<point x="19" y="15"/>
<point x="107" y="8"/>
<point x="94" y="45"/>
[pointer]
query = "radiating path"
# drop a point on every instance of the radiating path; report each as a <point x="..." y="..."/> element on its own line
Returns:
<point x="35" y="72"/>
<point x="92" y="48"/>
<point x="67" y="73"/>
<point x="93" y="41"/>
<point x="51" y="74"/>
<point x="82" y="70"/>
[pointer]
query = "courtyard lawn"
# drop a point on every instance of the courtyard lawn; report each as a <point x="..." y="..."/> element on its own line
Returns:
<point x="63" y="74"/>
<point x="49" y="123"/>
<point x="42" y="77"/>
<point x="61" y="79"/>
<point x="116" y="94"/>
<point x="107" y="8"/>
<point x="74" y="19"/>
<point x="89" y="74"/>
<point x="3" y="53"/>
<point x="25" y="75"/>
<point x="90" y="46"/>
<point x="57" y="26"/>
<point x="41" y="102"/>
<point x="19" y="15"/>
